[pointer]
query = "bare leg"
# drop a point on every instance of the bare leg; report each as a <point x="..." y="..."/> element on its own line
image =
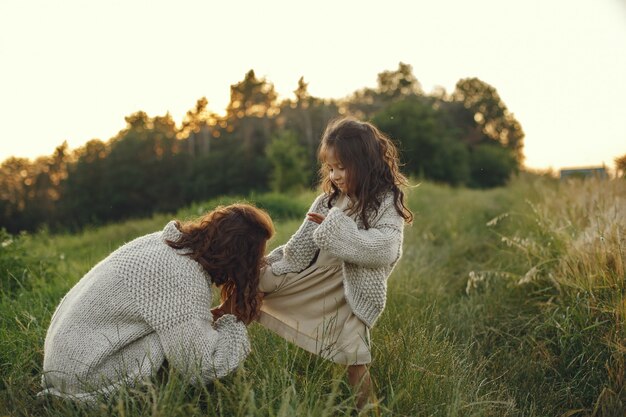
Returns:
<point x="361" y="383"/>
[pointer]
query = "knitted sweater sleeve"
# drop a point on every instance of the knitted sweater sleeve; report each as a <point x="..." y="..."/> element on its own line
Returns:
<point x="275" y="255"/>
<point x="297" y="253"/>
<point x="377" y="246"/>
<point x="205" y="350"/>
<point x="178" y="309"/>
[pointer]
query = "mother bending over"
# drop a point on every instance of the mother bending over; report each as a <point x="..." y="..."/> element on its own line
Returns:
<point x="149" y="303"/>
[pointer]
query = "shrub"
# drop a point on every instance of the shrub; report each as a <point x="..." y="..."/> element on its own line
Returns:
<point x="491" y="166"/>
<point x="279" y="206"/>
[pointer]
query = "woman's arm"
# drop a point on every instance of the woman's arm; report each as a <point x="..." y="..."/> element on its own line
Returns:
<point x="378" y="246"/>
<point x="206" y="350"/>
<point x="176" y="304"/>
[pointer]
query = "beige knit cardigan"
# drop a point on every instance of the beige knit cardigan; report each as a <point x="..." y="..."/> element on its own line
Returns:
<point x="142" y="305"/>
<point x="368" y="256"/>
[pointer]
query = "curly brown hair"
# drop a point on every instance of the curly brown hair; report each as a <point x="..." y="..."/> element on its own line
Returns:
<point x="371" y="162"/>
<point x="229" y="242"/>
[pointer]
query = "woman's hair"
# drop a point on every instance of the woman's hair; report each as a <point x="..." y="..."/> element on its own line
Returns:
<point x="229" y="242"/>
<point x="370" y="160"/>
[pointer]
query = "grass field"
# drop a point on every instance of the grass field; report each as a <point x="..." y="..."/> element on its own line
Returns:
<point x="507" y="302"/>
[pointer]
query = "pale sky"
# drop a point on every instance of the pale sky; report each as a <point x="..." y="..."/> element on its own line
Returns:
<point x="71" y="70"/>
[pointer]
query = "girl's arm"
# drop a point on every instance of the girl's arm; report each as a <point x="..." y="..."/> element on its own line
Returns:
<point x="375" y="247"/>
<point x="307" y="227"/>
<point x="275" y="255"/>
<point x="297" y="253"/>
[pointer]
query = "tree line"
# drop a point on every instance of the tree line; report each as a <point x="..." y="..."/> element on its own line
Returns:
<point x="464" y="138"/>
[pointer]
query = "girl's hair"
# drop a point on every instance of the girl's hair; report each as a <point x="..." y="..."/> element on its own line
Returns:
<point x="370" y="160"/>
<point x="229" y="242"/>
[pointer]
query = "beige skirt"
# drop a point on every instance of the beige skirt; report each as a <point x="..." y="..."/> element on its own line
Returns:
<point x="309" y="309"/>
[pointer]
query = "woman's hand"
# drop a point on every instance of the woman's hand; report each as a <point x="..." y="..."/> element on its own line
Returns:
<point x="217" y="313"/>
<point x="227" y="307"/>
<point x="315" y="217"/>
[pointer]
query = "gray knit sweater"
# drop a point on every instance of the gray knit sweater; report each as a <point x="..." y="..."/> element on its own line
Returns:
<point x="368" y="256"/>
<point x="142" y="305"/>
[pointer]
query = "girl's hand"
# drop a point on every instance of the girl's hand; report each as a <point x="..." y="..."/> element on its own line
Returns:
<point x="315" y="217"/>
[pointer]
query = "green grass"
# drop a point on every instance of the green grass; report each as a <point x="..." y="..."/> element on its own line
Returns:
<point x="507" y="302"/>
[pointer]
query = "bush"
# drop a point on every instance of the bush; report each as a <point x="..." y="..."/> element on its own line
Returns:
<point x="279" y="206"/>
<point x="491" y="166"/>
<point x="289" y="163"/>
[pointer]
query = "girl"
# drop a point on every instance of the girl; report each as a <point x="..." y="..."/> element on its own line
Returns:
<point x="326" y="287"/>
<point x="148" y="304"/>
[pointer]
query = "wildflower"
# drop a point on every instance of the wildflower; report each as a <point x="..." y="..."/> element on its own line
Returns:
<point x="496" y="219"/>
<point x="529" y="276"/>
<point x="474" y="281"/>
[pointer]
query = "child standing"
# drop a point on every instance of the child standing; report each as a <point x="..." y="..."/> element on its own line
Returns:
<point x="326" y="287"/>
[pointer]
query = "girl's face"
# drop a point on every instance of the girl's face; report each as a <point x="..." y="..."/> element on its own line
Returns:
<point x="336" y="171"/>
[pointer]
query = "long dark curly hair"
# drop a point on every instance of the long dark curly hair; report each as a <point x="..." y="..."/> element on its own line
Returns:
<point x="370" y="160"/>
<point x="229" y="242"/>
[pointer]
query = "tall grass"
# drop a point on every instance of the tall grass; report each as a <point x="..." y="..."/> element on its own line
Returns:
<point x="507" y="302"/>
<point x="558" y="331"/>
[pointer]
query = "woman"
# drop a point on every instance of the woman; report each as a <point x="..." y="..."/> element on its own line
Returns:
<point x="148" y="303"/>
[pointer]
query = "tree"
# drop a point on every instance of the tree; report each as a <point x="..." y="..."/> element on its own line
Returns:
<point x="306" y="117"/>
<point x="142" y="175"/>
<point x="137" y="173"/>
<point x="16" y="177"/>
<point x="288" y="163"/>
<point x="490" y="114"/>
<point x="491" y="166"/>
<point x="50" y="171"/>
<point x="30" y="190"/>
<point x="250" y="120"/>
<point x="428" y="148"/>
<point x="198" y="127"/>
<point x="391" y="86"/>
<point x="302" y="104"/>
<point x="620" y="166"/>
<point x="400" y="83"/>
<point x="468" y="137"/>
<point x="84" y="199"/>
<point x="252" y="97"/>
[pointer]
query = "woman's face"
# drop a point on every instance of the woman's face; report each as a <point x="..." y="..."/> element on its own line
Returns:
<point x="336" y="171"/>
